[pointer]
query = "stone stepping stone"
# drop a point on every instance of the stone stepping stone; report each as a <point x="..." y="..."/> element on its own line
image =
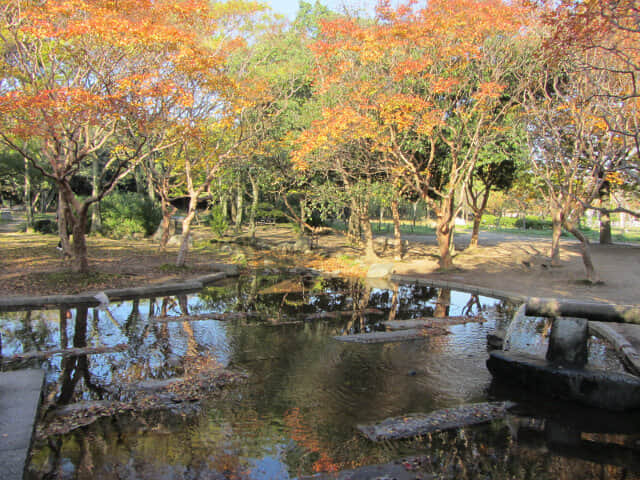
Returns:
<point x="393" y="336"/>
<point x="416" y="424"/>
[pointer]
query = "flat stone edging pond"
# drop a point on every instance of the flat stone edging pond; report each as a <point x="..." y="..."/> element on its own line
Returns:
<point x="630" y="356"/>
<point x="11" y="304"/>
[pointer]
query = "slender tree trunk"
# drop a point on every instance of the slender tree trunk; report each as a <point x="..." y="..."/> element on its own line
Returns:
<point x="96" y="220"/>
<point x="585" y="250"/>
<point x="27" y="196"/>
<point x="397" y="236"/>
<point x="475" y="232"/>
<point x="224" y="206"/>
<point x="415" y="214"/>
<point x="605" y="219"/>
<point x="239" y="206"/>
<point x="477" y="219"/>
<point x="556" y="217"/>
<point x="255" y="192"/>
<point x="444" y="233"/>
<point x="168" y="210"/>
<point x="63" y="233"/>
<point x="381" y="218"/>
<point x="151" y="191"/>
<point x="186" y="228"/>
<point x="303" y="215"/>
<point x="186" y="232"/>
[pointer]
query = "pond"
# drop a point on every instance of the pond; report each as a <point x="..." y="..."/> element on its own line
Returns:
<point x="297" y="393"/>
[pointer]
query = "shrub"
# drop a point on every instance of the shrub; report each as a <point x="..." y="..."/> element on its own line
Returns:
<point x="45" y="225"/>
<point x="124" y="214"/>
<point x="495" y="221"/>
<point x="267" y="212"/>
<point x="535" y="223"/>
<point x="217" y="221"/>
<point x="531" y="222"/>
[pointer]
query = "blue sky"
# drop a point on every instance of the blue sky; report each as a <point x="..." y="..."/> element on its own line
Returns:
<point x="290" y="7"/>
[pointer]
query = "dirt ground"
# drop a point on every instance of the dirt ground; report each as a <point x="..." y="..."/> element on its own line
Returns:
<point x="30" y="264"/>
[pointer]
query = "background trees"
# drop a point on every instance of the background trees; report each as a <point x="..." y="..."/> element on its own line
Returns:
<point x="81" y="77"/>
<point x="422" y="90"/>
<point x="203" y="101"/>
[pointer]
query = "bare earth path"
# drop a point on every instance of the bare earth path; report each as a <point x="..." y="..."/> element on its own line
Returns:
<point x="30" y="265"/>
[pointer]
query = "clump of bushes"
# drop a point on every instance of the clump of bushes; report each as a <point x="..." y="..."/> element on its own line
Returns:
<point x="530" y="222"/>
<point x="45" y="225"/>
<point x="496" y="221"/>
<point x="217" y="221"/>
<point x="266" y="212"/>
<point x="535" y="223"/>
<point x="125" y="214"/>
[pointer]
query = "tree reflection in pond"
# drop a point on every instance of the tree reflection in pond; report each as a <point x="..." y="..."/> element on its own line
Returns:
<point x="305" y="392"/>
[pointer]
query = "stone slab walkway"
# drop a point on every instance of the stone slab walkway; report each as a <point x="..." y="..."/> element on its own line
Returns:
<point x="20" y="393"/>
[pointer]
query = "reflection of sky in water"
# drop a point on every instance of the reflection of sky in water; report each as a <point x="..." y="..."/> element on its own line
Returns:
<point x="269" y="467"/>
<point x="297" y="367"/>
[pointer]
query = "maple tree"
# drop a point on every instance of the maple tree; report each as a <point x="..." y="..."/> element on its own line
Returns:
<point x="573" y="152"/>
<point x="83" y="77"/>
<point x="422" y="90"/>
<point x="601" y="38"/>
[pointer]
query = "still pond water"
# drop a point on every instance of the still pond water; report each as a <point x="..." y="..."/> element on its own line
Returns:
<point x="304" y="392"/>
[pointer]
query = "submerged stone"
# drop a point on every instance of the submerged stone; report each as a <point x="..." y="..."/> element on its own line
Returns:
<point x="413" y="425"/>
<point x="596" y="388"/>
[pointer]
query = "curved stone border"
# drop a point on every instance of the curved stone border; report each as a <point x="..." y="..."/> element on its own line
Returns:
<point x="630" y="356"/>
<point x="488" y="292"/>
<point x="13" y="304"/>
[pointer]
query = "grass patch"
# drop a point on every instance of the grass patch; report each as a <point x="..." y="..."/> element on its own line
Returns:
<point x="74" y="282"/>
<point x="589" y="283"/>
<point x="170" y="268"/>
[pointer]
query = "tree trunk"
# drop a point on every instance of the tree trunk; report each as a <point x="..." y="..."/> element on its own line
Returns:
<point x="475" y="231"/>
<point x="556" y="217"/>
<point x="80" y="261"/>
<point x="478" y="212"/>
<point x="397" y="236"/>
<point x="444" y="233"/>
<point x="605" y="219"/>
<point x="239" y="207"/>
<point x="168" y="211"/>
<point x="63" y="232"/>
<point x="303" y="215"/>
<point x="186" y="232"/>
<point x="354" y="229"/>
<point x="224" y="206"/>
<point x="27" y="197"/>
<point x="381" y="218"/>
<point x="151" y="191"/>
<point x="367" y="231"/>
<point x="96" y="220"/>
<point x="585" y="249"/>
<point x="255" y="189"/>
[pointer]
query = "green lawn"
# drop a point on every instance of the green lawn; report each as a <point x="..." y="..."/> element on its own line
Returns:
<point x="631" y="235"/>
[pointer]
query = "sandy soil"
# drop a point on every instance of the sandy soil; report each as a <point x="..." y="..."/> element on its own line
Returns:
<point x="30" y="265"/>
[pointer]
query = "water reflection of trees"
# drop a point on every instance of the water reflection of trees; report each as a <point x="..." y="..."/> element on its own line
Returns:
<point x="303" y="386"/>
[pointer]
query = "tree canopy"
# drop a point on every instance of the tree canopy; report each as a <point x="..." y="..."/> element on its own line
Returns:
<point x="441" y="103"/>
